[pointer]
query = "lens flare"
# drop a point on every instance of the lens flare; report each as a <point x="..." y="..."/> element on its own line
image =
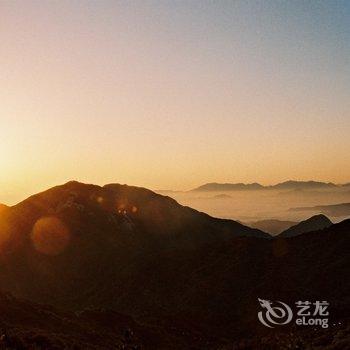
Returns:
<point x="50" y="236"/>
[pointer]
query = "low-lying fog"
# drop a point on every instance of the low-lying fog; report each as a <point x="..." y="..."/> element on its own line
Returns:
<point x="249" y="206"/>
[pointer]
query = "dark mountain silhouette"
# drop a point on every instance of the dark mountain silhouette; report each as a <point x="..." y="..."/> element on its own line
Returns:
<point x="273" y="227"/>
<point x="317" y="222"/>
<point x="287" y="185"/>
<point x="137" y="253"/>
<point x="126" y="212"/>
<point x="335" y="210"/>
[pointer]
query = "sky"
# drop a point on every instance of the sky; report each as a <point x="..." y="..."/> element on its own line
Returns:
<point x="172" y="94"/>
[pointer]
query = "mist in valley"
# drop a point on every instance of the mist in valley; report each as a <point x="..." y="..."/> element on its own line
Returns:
<point x="249" y="206"/>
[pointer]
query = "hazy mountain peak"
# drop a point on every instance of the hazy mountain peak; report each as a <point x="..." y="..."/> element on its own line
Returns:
<point x="316" y="222"/>
<point x="311" y="184"/>
<point x="214" y="186"/>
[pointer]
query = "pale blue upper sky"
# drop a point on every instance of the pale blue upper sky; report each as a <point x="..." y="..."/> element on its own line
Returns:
<point x="171" y="94"/>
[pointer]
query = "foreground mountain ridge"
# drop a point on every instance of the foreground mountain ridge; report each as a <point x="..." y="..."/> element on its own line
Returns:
<point x="26" y="325"/>
<point x="140" y="254"/>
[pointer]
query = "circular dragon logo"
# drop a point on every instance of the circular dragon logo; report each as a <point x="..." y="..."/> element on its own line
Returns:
<point x="274" y="313"/>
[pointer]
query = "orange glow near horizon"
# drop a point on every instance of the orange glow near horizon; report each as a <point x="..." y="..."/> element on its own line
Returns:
<point x="171" y="96"/>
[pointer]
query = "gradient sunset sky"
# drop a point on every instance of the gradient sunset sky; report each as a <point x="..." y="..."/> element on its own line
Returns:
<point x="172" y="94"/>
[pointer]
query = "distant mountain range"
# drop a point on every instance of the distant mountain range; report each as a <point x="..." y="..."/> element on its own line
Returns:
<point x="287" y="185"/>
<point x="192" y="281"/>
